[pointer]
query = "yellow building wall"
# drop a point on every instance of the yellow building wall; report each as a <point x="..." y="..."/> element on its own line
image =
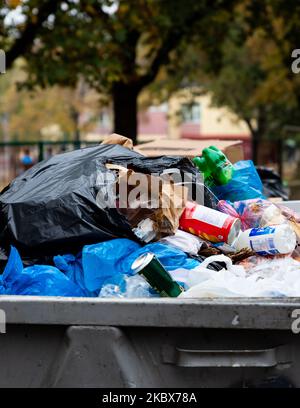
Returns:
<point x="214" y="121"/>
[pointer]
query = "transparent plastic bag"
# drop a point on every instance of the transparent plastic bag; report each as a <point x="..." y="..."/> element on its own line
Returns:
<point x="245" y="184"/>
<point x="254" y="213"/>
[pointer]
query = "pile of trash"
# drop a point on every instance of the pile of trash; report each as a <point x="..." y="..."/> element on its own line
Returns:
<point x="106" y="221"/>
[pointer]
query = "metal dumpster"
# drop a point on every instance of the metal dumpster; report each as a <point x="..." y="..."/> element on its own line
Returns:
<point x="68" y="342"/>
<point x="56" y="342"/>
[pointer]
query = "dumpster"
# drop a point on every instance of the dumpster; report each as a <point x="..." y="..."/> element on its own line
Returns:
<point x="66" y="342"/>
<point x="155" y="342"/>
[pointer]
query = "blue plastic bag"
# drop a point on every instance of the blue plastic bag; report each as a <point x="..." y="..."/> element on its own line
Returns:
<point x="102" y="262"/>
<point x="71" y="266"/>
<point x="245" y="184"/>
<point x="37" y="280"/>
<point x="170" y="257"/>
<point x="110" y="261"/>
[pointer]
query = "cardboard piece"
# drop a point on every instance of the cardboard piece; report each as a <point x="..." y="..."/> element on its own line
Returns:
<point x="233" y="149"/>
<point x="114" y="138"/>
<point x="145" y="197"/>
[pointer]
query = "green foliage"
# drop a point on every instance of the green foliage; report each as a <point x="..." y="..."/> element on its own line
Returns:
<point x="106" y="44"/>
<point x="248" y="69"/>
<point x="117" y="47"/>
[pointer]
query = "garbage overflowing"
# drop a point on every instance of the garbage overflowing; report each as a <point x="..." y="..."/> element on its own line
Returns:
<point x="108" y="222"/>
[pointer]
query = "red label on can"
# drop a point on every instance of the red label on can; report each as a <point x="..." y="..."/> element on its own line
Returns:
<point x="207" y="223"/>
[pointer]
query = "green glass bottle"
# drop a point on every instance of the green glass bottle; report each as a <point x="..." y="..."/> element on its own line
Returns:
<point x="215" y="166"/>
<point x="156" y="275"/>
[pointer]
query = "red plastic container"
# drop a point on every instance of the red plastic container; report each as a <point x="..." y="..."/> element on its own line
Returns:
<point x="209" y="224"/>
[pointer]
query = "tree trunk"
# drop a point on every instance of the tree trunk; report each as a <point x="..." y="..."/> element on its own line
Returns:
<point x="125" y="110"/>
<point x="255" y="145"/>
<point x="75" y="117"/>
<point x="254" y="139"/>
<point x="280" y="146"/>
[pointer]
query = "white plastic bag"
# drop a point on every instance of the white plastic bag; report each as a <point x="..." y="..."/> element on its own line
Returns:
<point x="185" y="241"/>
<point x="278" y="277"/>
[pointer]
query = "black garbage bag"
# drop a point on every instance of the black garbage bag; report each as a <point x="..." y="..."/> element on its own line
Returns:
<point x="215" y="266"/>
<point x="3" y="259"/>
<point x="52" y="209"/>
<point x="272" y="183"/>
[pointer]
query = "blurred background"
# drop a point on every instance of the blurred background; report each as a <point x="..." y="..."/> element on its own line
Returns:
<point x="78" y="70"/>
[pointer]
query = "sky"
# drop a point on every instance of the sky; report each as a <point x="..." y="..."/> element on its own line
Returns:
<point x="15" y="16"/>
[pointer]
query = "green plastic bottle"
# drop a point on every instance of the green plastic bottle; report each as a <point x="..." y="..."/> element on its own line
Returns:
<point x="215" y="166"/>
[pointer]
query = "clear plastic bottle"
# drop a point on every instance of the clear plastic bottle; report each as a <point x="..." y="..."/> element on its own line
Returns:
<point x="271" y="240"/>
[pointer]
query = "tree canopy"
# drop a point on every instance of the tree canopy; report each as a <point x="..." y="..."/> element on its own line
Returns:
<point x="118" y="47"/>
<point x="249" y="70"/>
<point x="238" y="50"/>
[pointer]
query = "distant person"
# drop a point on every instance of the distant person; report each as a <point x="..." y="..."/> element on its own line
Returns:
<point x="26" y="160"/>
<point x="49" y="153"/>
<point x="291" y="149"/>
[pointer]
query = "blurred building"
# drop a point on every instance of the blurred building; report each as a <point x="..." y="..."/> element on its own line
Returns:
<point x="184" y="116"/>
<point x="196" y="118"/>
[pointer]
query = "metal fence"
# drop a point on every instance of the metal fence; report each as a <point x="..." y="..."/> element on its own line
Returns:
<point x="12" y="155"/>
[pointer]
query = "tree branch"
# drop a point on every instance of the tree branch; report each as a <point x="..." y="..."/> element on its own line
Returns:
<point x="250" y="126"/>
<point x="23" y="43"/>
<point x="172" y="40"/>
<point x="162" y="57"/>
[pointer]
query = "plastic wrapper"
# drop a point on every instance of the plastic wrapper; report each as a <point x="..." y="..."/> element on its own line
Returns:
<point x="138" y="287"/>
<point x="294" y="221"/>
<point x="288" y="213"/>
<point x="253" y="213"/>
<point x="245" y="184"/>
<point x="132" y="287"/>
<point x="185" y="241"/>
<point x="111" y="291"/>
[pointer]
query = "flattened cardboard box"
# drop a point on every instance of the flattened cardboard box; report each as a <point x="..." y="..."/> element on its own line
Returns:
<point x="233" y="149"/>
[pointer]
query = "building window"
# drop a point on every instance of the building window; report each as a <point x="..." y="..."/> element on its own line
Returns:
<point x="105" y="120"/>
<point x="159" y="108"/>
<point x="191" y="112"/>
